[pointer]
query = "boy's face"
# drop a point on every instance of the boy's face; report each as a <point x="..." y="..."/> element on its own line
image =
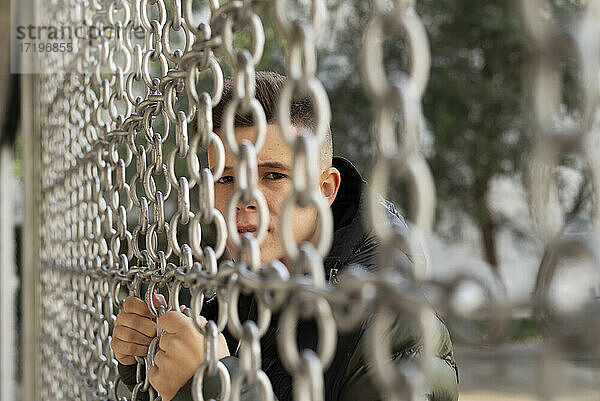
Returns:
<point x="274" y="164"/>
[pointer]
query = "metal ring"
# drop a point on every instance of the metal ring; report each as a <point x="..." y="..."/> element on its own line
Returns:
<point x="231" y="218"/>
<point x="260" y="125"/>
<point x="324" y="227"/>
<point x="320" y="102"/>
<point x="286" y="340"/>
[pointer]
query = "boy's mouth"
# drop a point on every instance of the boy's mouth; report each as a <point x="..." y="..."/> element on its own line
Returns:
<point x="246" y="229"/>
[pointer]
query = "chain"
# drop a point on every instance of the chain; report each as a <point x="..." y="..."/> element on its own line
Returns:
<point x="398" y="156"/>
<point x="124" y="126"/>
<point x="558" y="136"/>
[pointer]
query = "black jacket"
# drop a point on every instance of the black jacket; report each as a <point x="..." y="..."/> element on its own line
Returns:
<point x="347" y="377"/>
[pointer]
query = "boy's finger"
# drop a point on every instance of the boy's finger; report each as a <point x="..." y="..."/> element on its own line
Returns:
<point x="174" y="322"/>
<point x="142" y="324"/>
<point x="130" y="335"/>
<point x="136" y="306"/>
<point x="159" y="299"/>
<point x="202" y="320"/>
<point x="124" y="359"/>
<point x="128" y="349"/>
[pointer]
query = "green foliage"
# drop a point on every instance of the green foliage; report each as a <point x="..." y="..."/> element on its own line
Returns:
<point x="519" y="329"/>
<point x="473" y="104"/>
<point x="526" y="329"/>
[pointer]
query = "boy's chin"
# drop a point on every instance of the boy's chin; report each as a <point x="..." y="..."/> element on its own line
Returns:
<point x="267" y="257"/>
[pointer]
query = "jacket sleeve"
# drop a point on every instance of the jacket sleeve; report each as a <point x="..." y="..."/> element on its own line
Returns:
<point x="127" y="373"/>
<point x="358" y="382"/>
<point x="212" y="385"/>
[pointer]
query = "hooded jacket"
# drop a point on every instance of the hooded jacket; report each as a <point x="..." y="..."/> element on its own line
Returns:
<point x="348" y="377"/>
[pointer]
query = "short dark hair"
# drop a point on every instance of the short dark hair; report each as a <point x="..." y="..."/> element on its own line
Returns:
<point x="269" y="85"/>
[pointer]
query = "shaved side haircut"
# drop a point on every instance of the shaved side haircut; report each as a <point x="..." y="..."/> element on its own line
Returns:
<point x="268" y="89"/>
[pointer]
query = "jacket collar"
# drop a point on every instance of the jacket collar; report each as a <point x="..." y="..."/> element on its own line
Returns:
<point x="347" y="209"/>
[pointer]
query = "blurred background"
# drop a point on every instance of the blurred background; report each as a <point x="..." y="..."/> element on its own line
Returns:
<point x="477" y="139"/>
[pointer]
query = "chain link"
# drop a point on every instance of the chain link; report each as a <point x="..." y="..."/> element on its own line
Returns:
<point x="557" y="137"/>
<point x="105" y="237"/>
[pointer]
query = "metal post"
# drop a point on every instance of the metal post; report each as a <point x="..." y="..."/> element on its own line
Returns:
<point x="25" y="12"/>
<point x="30" y="259"/>
<point x="8" y="280"/>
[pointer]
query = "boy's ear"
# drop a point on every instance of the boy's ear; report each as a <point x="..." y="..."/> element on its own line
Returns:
<point x="330" y="183"/>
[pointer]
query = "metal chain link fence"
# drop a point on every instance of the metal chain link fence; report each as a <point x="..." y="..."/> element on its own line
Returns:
<point x="121" y="113"/>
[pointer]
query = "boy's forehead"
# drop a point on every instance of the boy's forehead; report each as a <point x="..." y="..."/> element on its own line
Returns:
<point x="275" y="147"/>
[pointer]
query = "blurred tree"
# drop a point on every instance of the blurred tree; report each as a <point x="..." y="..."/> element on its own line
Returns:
<point x="473" y="104"/>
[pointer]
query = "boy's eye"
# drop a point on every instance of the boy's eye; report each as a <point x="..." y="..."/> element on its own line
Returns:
<point x="227" y="179"/>
<point x="274" y="176"/>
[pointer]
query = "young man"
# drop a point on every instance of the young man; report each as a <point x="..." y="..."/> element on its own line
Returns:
<point x="344" y="190"/>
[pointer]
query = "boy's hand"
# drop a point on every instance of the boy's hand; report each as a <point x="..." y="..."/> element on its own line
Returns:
<point x="134" y="329"/>
<point x="181" y="351"/>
